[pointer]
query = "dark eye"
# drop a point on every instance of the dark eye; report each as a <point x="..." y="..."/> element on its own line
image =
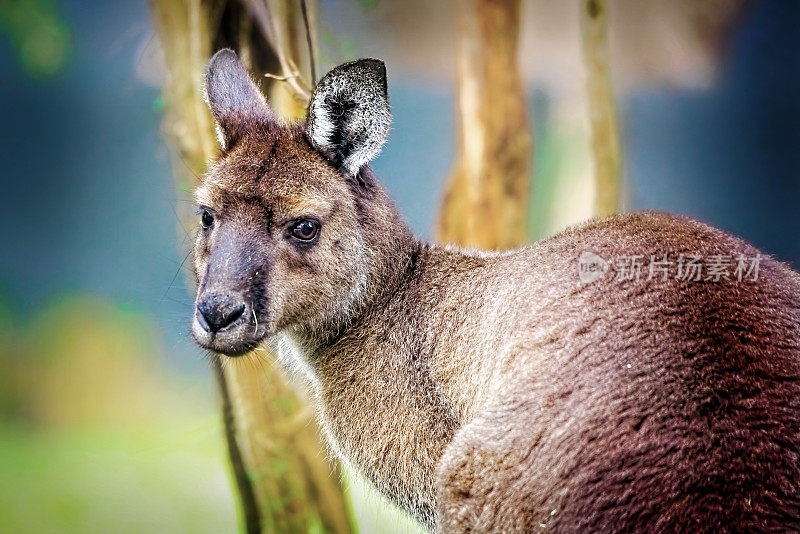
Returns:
<point x="305" y="230"/>
<point x="207" y="219"/>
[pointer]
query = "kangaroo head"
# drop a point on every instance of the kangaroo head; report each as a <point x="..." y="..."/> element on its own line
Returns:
<point x="282" y="240"/>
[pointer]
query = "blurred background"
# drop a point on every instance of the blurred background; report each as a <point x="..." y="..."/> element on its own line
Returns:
<point x="109" y="416"/>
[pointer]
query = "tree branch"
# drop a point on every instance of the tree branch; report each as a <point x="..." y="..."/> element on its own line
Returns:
<point x="252" y="518"/>
<point x="311" y="60"/>
<point x="260" y="10"/>
<point x="602" y="107"/>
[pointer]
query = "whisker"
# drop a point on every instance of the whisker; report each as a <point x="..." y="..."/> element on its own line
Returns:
<point x="175" y="277"/>
<point x="180" y="221"/>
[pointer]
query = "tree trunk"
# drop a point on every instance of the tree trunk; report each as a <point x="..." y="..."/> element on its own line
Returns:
<point x="285" y="482"/>
<point x="602" y="108"/>
<point x="486" y="201"/>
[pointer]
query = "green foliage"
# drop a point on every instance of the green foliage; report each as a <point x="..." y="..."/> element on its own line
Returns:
<point x="341" y="49"/>
<point x="552" y="152"/>
<point x="158" y="479"/>
<point x="368" y="4"/>
<point x="39" y="35"/>
<point x="96" y="436"/>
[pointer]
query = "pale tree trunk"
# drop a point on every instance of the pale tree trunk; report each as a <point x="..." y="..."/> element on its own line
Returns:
<point x="285" y="482"/>
<point x="486" y="201"/>
<point x="602" y="108"/>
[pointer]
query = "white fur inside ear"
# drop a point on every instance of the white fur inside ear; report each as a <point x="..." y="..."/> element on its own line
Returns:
<point x="349" y="117"/>
<point x="323" y="126"/>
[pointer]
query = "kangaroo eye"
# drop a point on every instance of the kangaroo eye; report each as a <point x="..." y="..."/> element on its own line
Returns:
<point x="305" y="230"/>
<point x="206" y="219"/>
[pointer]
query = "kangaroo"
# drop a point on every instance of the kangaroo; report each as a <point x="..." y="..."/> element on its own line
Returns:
<point x="541" y="389"/>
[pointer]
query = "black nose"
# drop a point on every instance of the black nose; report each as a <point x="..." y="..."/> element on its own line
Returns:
<point x="219" y="310"/>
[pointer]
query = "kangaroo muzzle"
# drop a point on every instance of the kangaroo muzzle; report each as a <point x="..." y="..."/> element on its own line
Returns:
<point x="225" y="314"/>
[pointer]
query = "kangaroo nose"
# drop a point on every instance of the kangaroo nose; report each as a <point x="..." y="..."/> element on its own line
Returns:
<point x="219" y="311"/>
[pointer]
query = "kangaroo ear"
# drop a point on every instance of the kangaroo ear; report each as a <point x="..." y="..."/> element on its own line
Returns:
<point x="348" y="118"/>
<point x="234" y="99"/>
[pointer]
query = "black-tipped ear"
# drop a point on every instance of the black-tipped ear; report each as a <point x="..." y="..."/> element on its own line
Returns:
<point x="234" y="99"/>
<point x="348" y="117"/>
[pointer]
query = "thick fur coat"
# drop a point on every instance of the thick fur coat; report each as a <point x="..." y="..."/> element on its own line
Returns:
<point x="498" y="392"/>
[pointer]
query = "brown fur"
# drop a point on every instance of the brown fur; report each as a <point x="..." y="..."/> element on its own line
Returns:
<point x="496" y="392"/>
